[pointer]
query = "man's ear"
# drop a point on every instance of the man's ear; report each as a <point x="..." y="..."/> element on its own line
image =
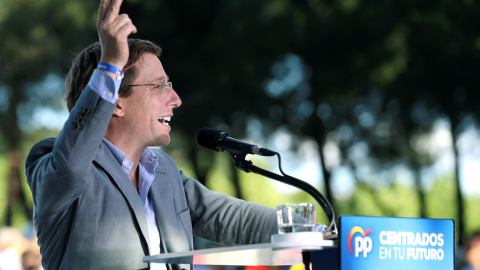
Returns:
<point x="119" y="109"/>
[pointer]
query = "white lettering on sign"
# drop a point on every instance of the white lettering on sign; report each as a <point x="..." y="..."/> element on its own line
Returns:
<point x="363" y="245"/>
<point x="417" y="245"/>
<point x="394" y="238"/>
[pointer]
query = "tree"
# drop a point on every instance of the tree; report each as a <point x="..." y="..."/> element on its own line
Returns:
<point x="31" y="49"/>
<point x="342" y="50"/>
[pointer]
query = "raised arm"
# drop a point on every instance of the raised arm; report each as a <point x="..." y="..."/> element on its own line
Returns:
<point x="113" y="31"/>
<point x="59" y="173"/>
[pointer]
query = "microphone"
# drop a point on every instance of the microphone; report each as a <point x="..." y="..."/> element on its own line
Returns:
<point x="220" y="141"/>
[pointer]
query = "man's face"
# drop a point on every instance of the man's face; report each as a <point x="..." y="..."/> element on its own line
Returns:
<point x="148" y="109"/>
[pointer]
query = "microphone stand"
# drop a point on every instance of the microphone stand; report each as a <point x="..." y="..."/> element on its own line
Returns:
<point x="247" y="166"/>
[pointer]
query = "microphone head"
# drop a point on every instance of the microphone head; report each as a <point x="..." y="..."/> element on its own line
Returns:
<point x="211" y="138"/>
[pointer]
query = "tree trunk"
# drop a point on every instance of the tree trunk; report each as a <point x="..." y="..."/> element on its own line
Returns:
<point x="13" y="136"/>
<point x="419" y="188"/>
<point x="16" y="197"/>
<point x="460" y="212"/>
<point x="201" y="174"/>
<point x="236" y="180"/>
<point x="326" y="173"/>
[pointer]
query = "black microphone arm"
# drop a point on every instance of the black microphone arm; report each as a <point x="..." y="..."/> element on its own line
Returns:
<point x="220" y="141"/>
<point x="247" y="166"/>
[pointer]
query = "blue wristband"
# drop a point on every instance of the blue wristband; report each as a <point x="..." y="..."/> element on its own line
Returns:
<point x="112" y="69"/>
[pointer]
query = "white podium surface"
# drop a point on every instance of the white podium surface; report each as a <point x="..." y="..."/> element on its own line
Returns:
<point x="285" y="249"/>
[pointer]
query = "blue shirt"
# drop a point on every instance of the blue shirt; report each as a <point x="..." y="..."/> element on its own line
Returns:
<point x="146" y="174"/>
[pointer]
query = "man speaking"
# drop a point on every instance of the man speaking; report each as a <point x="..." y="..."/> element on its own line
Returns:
<point x="102" y="198"/>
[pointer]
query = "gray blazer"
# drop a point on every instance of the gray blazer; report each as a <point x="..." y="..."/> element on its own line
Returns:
<point x="88" y="215"/>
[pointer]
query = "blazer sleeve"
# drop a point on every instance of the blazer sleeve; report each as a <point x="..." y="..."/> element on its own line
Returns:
<point x="58" y="170"/>
<point x="225" y="219"/>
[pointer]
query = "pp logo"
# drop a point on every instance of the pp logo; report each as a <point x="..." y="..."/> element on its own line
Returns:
<point x="363" y="243"/>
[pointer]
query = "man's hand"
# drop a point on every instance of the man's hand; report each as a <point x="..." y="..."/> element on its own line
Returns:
<point x="113" y="31"/>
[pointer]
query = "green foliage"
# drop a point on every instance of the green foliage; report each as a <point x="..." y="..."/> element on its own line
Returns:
<point x="401" y="65"/>
<point x="441" y="200"/>
<point x="218" y="178"/>
<point x="396" y="200"/>
<point x="3" y="186"/>
<point x="35" y="35"/>
<point x="472" y="217"/>
<point x="400" y="199"/>
<point x="19" y="220"/>
<point x="396" y="44"/>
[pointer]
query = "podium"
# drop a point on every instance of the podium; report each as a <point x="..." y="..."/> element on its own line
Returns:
<point x="364" y="242"/>
<point x="285" y="249"/>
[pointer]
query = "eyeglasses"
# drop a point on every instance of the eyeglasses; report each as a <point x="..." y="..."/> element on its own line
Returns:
<point x="155" y="85"/>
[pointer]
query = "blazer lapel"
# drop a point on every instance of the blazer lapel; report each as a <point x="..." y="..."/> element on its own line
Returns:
<point x="108" y="162"/>
<point x="162" y="196"/>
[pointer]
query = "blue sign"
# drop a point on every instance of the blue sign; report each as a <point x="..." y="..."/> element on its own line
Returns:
<point x="396" y="243"/>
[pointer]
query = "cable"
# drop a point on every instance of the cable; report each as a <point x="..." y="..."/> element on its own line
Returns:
<point x="247" y="166"/>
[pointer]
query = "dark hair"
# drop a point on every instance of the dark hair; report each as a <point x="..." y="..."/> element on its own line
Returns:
<point x="87" y="61"/>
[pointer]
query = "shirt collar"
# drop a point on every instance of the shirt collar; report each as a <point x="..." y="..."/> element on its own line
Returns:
<point x="149" y="160"/>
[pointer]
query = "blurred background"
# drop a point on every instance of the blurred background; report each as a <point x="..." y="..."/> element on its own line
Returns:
<point x="375" y="103"/>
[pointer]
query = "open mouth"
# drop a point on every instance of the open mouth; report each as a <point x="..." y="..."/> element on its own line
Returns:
<point x="165" y="120"/>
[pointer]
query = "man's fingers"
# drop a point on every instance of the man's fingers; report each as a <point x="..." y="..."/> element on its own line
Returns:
<point x="102" y="10"/>
<point x="127" y="29"/>
<point x="113" y="10"/>
<point x="120" y="22"/>
<point x="113" y="31"/>
<point x="123" y="26"/>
